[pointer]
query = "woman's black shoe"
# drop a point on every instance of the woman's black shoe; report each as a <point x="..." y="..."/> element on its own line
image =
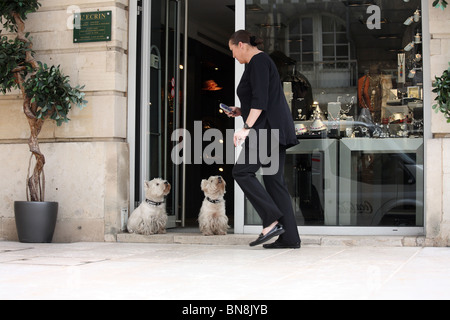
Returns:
<point x="281" y="245"/>
<point x="276" y="231"/>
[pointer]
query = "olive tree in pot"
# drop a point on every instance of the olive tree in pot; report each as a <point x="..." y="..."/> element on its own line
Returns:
<point x="47" y="94"/>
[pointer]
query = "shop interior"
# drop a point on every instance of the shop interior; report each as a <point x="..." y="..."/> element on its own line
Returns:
<point x="352" y="74"/>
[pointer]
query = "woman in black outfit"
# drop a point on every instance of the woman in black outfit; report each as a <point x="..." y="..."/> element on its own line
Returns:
<point x="264" y="106"/>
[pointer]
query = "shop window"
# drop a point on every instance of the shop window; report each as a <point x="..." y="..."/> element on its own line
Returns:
<point x="335" y="45"/>
<point x="319" y="44"/>
<point x="353" y="77"/>
<point x="301" y="40"/>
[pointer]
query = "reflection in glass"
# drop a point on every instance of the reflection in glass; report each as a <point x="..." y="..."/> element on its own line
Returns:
<point x="386" y="188"/>
<point x="367" y="168"/>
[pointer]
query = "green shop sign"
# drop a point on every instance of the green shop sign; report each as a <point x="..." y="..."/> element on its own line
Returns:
<point x="92" y="26"/>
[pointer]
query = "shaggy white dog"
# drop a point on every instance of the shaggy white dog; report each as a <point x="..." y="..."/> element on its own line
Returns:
<point x="212" y="218"/>
<point x="151" y="216"/>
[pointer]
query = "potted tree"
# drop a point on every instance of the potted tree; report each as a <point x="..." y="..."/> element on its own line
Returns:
<point x="441" y="87"/>
<point x="47" y="95"/>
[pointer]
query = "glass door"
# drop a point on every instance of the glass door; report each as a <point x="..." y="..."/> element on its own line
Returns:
<point x="162" y="97"/>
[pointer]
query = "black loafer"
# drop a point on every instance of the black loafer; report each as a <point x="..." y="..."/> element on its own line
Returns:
<point x="281" y="245"/>
<point x="276" y="231"/>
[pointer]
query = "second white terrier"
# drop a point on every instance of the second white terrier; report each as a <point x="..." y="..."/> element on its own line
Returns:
<point x="212" y="218"/>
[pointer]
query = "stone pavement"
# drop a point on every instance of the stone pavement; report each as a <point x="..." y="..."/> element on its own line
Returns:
<point x="231" y="272"/>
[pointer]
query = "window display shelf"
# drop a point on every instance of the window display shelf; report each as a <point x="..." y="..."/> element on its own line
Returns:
<point x="355" y="182"/>
<point x="377" y="176"/>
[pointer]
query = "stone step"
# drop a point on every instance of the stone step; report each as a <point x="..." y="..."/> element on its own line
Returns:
<point x="244" y="240"/>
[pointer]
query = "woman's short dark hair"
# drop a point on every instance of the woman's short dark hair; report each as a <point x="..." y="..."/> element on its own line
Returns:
<point x="246" y="37"/>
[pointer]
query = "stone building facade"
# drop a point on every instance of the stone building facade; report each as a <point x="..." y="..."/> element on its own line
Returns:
<point x="88" y="159"/>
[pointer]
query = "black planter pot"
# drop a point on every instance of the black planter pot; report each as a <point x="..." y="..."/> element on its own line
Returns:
<point x="35" y="221"/>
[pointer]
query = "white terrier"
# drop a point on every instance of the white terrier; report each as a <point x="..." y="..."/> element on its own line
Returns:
<point x="151" y="216"/>
<point x="212" y="218"/>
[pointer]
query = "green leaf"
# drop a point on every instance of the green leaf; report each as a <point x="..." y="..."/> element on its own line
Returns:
<point x="53" y="94"/>
<point x="22" y="7"/>
<point x="441" y="87"/>
<point x="12" y="56"/>
<point x="440" y="4"/>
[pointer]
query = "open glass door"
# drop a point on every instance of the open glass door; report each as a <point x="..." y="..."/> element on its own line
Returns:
<point x="162" y="97"/>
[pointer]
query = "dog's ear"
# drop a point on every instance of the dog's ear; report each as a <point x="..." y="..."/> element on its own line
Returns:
<point x="204" y="185"/>
<point x="168" y="187"/>
<point x="147" y="184"/>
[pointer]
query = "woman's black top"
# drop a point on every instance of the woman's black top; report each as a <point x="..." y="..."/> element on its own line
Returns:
<point x="260" y="88"/>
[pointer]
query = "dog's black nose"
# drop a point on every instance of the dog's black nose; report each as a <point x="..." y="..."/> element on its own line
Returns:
<point x="166" y="183"/>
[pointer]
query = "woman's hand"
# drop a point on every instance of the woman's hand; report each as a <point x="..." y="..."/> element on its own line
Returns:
<point x="236" y="112"/>
<point x="240" y="136"/>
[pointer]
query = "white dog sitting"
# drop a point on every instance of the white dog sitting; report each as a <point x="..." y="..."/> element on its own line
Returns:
<point x="151" y="216"/>
<point x="212" y="218"/>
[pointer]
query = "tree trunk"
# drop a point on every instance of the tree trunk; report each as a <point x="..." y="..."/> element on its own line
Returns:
<point x="35" y="182"/>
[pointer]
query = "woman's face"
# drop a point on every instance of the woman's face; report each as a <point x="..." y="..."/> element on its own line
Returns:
<point x="238" y="51"/>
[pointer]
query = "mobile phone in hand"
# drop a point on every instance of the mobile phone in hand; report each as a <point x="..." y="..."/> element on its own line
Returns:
<point x="226" y="108"/>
